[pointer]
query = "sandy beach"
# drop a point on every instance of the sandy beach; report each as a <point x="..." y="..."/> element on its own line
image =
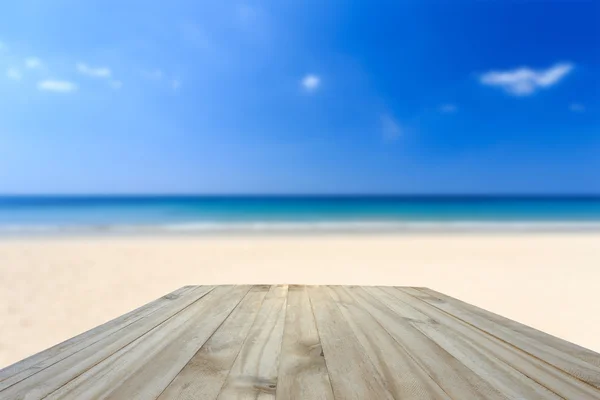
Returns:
<point x="54" y="288"/>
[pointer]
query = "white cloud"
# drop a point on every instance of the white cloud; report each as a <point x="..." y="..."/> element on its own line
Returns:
<point x="311" y="82"/>
<point x="175" y="84"/>
<point x="391" y="128"/>
<point x="14" y="74"/>
<point x="156" y="74"/>
<point x="525" y="81"/>
<point x="116" y="84"/>
<point x="94" y="72"/>
<point x="195" y="36"/>
<point x="448" y="108"/>
<point x="246" y="14"/>
<point x="33" y="62"/>
<point x="577" y="107"/>
<point x="57" y="86"/>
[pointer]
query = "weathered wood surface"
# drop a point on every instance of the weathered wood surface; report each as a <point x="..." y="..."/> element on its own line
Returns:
<point x="307" y="342"/>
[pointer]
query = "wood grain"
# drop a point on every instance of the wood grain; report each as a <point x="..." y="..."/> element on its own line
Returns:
<point x="494" y="372"/>
<point x="204" y="375"/>
<point x="351" y="372"/>
<point x="505" y="328"/>
<point x="145" y="367"/>
<point x="302" y="370"/>
<point x="450" y="374"/>
<point x="62" y="350"/>
<point x="545" y="374"/>
<point x="52" y="377"/>
<point x="307" y="342"/>
<point x="404" y="377"/>
<point x="563" y="360"/>
<point x="254" y="372"/>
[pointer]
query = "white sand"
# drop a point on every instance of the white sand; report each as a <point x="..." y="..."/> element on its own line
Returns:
<point x="53" y="289"/>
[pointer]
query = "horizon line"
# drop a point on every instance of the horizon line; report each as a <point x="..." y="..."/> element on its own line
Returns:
<point x="299" y="195"/>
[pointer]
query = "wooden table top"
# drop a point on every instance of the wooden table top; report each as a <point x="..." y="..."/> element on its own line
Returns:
<point x="307" y="342"/>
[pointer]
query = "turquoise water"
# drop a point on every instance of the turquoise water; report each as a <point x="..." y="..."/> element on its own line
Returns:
<point x="188" y="214"/>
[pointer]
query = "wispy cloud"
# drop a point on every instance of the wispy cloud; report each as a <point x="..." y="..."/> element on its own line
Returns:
<point x="525" y="81"/>
<point x="448" y="108"/>
<point x="116" y="84"/>
<point x="246" y="14"/>
<point x="155" y="74"/>
<point x="577" y="107"/>
<point x="94" y="72"/>
<point x="14" y="74"/>
<point x="175" y="84"/>
<point x="33" y="62"/>
<point x="391" y="128"/>
<point x="311" y="82"/>
<point x="195" y="36"/>
<point x="57" y="86"/>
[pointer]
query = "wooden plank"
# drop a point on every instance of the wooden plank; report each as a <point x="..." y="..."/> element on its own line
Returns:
<point x="144" y="368"/>
<point x="299" y="342"/>
<point x="562" y="360"/>
<point x="302" y="370"/>
<point x="68" y="347"/>
<point x="351" y="372"/>
<point x="554" y="379"/>
<point x="499" y="375"/>
<point x="50" y="378"/>
<point x="455" y="379"/>
<point x="254" y="372"/>
<point x="503" y="327"/>
<point x="204" y="375"/>
<point x="404" y="377"/>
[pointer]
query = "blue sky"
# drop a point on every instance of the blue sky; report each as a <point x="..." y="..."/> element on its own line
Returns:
<point x="299" y="97"/>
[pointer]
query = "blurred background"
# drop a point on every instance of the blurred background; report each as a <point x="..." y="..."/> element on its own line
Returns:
<point x="146" y="146"/>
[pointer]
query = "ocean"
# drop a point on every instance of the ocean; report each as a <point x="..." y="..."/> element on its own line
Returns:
<point x="206" y="214"/>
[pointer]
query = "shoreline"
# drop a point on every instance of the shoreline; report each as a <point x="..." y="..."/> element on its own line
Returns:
<point x="53" y="288"/>
<point x="300" y="228"/>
